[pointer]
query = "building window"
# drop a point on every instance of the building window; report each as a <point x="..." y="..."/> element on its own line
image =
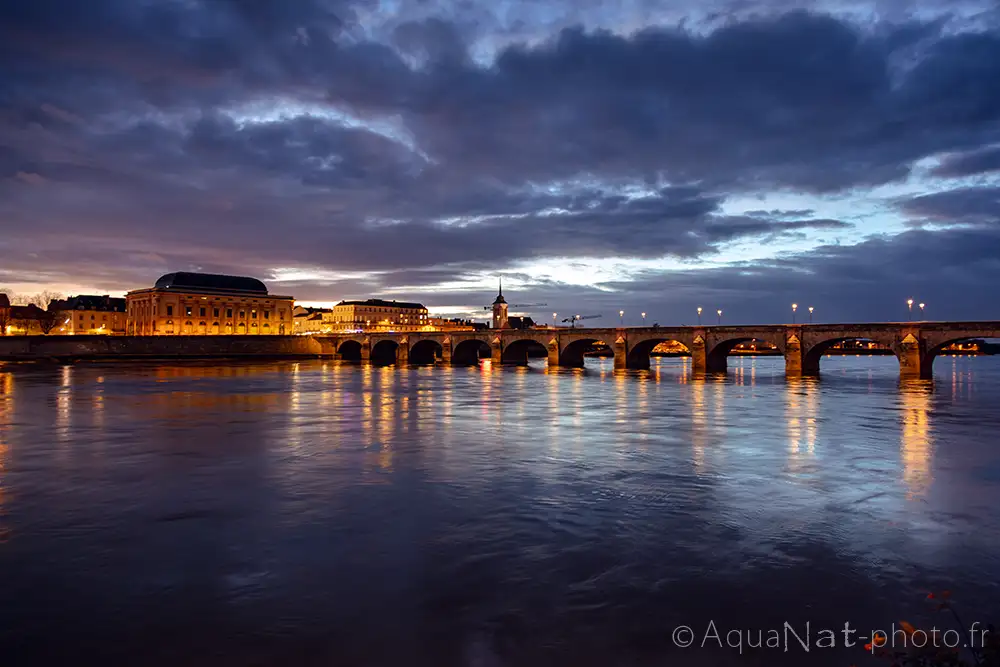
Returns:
<point x="229" y="312"/>
<point x="243" y="314"/>
<point x="202" y="312"/>
<point x="253" y="313"/>
<point x="267" y="314"/>
<point x="215" y="313"/>
<point x="187" y="310"/>
<point x="170" y="311"/>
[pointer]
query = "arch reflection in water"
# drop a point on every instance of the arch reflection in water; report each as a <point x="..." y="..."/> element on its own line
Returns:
<point x="916" y="441"/>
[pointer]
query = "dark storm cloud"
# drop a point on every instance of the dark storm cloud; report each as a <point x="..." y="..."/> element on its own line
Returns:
<point x="250" y="136"/>
<point x="962" y="206"/>
<point x="971" y="163"/>
<point x="950" y="270"/>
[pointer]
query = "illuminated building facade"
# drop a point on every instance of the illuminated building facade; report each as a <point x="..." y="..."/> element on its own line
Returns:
<point x="310" y="320"/>
<point x="4" y="313"/>
<point x="89" y="314"/>
<point x="378" y="315"/>
<point x="205" y="304"/>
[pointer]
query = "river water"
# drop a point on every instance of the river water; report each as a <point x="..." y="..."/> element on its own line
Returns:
<point x="318" y="513"/>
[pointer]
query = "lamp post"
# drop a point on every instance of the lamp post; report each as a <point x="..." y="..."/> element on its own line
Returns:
<point x="719" y="313"/>
<point x="621" y="317"/>
<point x="909" y="309"/>
<point x="555" y="322"/>
<point x="795" y="307"/>
<point x="811" y="309"/>
<point x="644" y="319"/>
<point x="922" y="311"/>
<point x="574" y="321"/>
<point x="699" y="315"/>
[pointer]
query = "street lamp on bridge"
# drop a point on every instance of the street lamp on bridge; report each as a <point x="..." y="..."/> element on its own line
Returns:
<point x="644" y="317"/>
<point x="699" y="315"/>
<point x="621" y="317"/>
<point x="909" y="308"/>
<point x="811" y="309"/>
<point x="719" y="313"/>
<point x="555" y="322"/>
<point x="795" y="307"/>
<point x="922" y="310"/>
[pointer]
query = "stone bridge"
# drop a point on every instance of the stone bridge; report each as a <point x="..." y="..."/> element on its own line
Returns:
<point x="915" y="344"/>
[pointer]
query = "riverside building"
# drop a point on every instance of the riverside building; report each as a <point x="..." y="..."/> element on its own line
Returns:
<point x="207" y="304"/>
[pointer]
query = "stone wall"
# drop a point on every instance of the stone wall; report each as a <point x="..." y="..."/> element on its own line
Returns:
<point x="67" y="348"/>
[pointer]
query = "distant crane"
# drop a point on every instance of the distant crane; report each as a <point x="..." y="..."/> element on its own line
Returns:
<point x="573" y="320"/>
<point x="520" y="305"/>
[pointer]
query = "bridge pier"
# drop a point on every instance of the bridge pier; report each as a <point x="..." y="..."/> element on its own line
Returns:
<point x="446" y="351"/>
<point x="403" y="352"/>
<point x="914" y="362"/>
<point x="798" y="362"/>
<point x="621" y="354"/>
<point x="553" y="350"/>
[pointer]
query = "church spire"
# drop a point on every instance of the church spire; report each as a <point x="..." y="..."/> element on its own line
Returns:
<point x="500" y="298"/>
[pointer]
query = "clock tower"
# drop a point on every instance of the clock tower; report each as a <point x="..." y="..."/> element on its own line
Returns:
<point x="500" y="310"/>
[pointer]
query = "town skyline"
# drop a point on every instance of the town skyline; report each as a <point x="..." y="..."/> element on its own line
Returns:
<point x="651" y="157"/>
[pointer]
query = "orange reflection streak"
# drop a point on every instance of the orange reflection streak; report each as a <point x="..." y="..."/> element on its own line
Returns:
<point x="386" y="414"/>
<point x="6" y="413"/>
<point x="98" y="402"/>
<point x="916" y="440"/>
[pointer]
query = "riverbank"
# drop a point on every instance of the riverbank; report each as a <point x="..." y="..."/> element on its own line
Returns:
<point x="81" y="348"/>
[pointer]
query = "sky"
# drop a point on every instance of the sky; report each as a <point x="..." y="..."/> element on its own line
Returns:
<point x="600" y="155"/>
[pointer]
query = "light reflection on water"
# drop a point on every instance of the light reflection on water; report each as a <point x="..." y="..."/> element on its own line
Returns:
<point x="378" y="516"/>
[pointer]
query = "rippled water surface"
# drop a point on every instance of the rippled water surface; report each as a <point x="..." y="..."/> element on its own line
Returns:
<point x="325" y="514"/>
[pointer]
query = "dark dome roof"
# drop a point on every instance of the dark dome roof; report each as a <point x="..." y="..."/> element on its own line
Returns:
<point x="210" y="281"/>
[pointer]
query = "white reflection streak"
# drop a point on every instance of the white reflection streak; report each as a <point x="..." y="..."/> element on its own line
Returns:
<point x="555" y="407"/>
<point x="295" y="409"/>
<point x="64" y="404"/>
<point x="699" y="424"/>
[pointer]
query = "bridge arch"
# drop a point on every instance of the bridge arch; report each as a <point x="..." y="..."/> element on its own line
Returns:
<point x="639" y="353"/>
<point x="384" y="352"/>
<point x="426" y="352"/>
<point x="468" y="352"/>
<point x="349" y="350"/>
<point x="717" y="355"/>
<point x="572" y="353"/>
<point x="937" y="348"/>
<point x="815" y="352"/>
<point x="516" y="352"/>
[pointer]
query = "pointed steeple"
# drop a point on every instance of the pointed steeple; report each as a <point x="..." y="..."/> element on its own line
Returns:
<point x="500" y="298"/>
